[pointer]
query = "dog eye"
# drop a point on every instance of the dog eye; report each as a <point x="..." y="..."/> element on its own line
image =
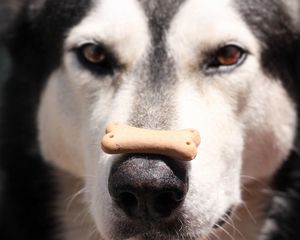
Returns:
<point x="93" y="54"/>
<point x="97" y="59"/>
<point x="229" y="55"/>
<point x="226" y="58"/>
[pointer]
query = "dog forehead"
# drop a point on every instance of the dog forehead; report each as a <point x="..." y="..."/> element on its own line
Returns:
<point x="160" y="13"/>
<point x="137" y="22"/>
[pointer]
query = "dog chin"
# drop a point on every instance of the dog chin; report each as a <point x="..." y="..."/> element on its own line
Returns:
<point x="176" y="229"/>
<point x="181" y="227"/>
<point x="154" y="235"/>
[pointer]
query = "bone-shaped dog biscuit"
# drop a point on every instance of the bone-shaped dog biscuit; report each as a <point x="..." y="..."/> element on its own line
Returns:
<point x="181" y="145"/>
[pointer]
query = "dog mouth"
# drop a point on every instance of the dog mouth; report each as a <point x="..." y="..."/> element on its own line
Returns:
<point x="143" y="230"/>
<point x="176" y="229"/>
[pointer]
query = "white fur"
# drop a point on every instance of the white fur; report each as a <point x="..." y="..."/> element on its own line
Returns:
<point x="245" y="119"/>
<point x="217" y="170"/>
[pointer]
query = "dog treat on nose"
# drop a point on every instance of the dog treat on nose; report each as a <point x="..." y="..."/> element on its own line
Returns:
<point x="181" y="145"/>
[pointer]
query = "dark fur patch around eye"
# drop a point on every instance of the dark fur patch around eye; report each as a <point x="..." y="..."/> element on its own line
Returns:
<point x="97" y="58"/>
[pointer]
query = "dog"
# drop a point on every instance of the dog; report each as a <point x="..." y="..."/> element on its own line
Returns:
<point x="226" y="68"/>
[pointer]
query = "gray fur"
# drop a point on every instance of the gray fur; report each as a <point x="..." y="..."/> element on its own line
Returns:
<point x="154" y="107"/>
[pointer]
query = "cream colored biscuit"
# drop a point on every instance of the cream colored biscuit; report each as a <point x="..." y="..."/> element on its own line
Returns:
<point x="180" y="145"/>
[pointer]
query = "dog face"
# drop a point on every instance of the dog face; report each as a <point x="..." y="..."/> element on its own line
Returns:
<point x="208" y="65"/>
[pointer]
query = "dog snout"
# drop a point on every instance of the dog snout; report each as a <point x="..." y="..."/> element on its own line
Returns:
<point x="148" y="189"/>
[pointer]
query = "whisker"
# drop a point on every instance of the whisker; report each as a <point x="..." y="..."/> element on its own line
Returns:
<point x="249" y="213"/>
<point x="225" y="231"/>
<point x="253" y="178"/>
<point x="73" y="198"/>
<point x="231" y="223"/>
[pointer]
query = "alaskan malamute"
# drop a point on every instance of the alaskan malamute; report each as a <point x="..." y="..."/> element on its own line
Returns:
<point x="226" y="68"/>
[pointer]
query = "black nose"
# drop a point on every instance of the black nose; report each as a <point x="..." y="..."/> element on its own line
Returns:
<point x="148" y="188"/>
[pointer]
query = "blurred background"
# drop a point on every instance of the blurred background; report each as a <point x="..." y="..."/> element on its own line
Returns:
<point x="8" y="11"/>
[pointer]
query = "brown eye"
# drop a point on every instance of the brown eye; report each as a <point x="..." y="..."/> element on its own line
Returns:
<point x="229" y="55"/>
<point x="97" y="59"/>
<point x="225" y="59"/>
<point x="93" y="54"/>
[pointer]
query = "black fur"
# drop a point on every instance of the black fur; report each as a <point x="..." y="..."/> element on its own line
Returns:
<point x="284" y="210"/>
<point x="28" y="194"/>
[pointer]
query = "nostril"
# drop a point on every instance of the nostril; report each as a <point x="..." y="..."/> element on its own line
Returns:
<point x="128" y="202"/>
<point x="165" y="203"/>
<point x="167" y="198"/>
